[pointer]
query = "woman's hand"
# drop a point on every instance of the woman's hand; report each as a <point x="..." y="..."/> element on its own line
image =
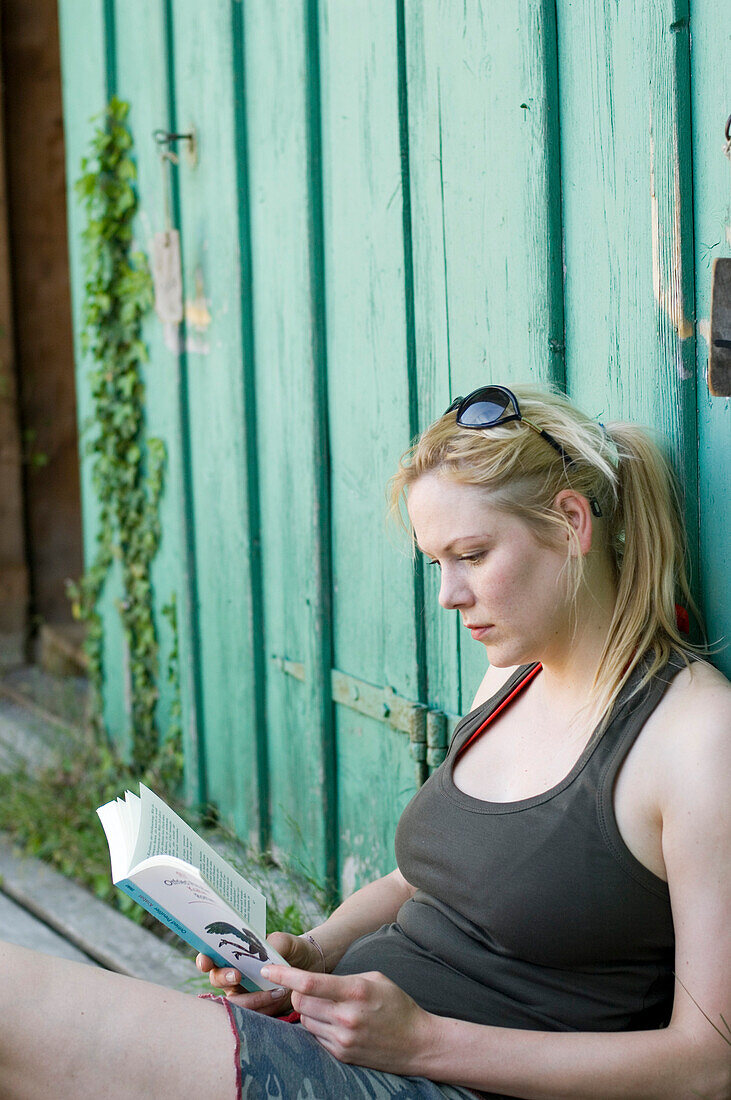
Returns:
<point x="270" y="1002"/>
<point x="362" y="1018"/>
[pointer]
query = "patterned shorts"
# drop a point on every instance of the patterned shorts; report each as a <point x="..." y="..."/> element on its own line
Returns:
<point x="277" y="1060"/>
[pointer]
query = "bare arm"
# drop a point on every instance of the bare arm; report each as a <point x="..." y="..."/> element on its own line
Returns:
<point x="363" y="912"/>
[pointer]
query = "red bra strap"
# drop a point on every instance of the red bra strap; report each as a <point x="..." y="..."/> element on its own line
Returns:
<point x="508" y="699"/>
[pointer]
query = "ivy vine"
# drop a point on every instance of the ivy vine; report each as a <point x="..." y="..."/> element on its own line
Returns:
<point x="127" y="465"/>
<point x="170" y="760"/>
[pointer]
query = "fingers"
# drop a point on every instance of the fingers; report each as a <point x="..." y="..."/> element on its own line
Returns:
<point x="268" y="1002"/>
<point x="271" y="1002"/>
<point x="225" y="977"/>
<point x="330" y="987"/>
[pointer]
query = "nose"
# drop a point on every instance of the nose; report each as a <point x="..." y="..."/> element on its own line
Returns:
<point x="454" y="591"/>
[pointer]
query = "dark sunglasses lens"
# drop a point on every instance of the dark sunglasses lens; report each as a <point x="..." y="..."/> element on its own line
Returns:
<point x="484" y="408"/>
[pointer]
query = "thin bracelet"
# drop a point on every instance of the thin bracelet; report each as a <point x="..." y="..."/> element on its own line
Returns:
<point x="313" y="941"/>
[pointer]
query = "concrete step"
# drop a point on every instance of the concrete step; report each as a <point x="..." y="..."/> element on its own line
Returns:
<point x="99" y="932"/>
<point x="62" y="698"/>
<point x="19" y="926"/>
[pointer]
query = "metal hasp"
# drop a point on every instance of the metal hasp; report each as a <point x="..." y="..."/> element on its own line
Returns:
<point x="428" y="730"/>
<point x="164" y="137"/>
<point x="719" y="351"/>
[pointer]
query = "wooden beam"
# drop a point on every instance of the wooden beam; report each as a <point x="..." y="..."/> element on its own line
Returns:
<point x="13" y="568"/>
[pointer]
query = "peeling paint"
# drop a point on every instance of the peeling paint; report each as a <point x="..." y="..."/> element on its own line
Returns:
<point x="355" y="872"/>
<point x="171" y="338"/>
<point x="197" y="313"/>
<point x="668" y="286"/>
<point x="704" y="329"/>
<point x="655" y="220"/>
<point x="198" y="319"/>
<point x="683" y="326"/>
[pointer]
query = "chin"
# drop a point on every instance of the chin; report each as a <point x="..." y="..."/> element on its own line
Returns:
<point x="503" y="657"/>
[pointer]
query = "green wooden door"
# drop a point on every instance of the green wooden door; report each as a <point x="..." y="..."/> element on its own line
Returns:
<point x="392" y="202"/>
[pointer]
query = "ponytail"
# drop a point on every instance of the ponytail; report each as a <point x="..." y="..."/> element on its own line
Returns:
<point x="647" y="540"/>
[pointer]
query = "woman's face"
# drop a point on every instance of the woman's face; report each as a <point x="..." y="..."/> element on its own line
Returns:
<point x="508" y="588"/>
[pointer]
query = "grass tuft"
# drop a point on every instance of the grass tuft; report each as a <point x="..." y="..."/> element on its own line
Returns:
<point x="51" y="814"/>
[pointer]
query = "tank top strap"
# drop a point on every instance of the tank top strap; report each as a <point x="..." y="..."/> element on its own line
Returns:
<point x="632" y="709"/>
<point x="628" y="719"/>
<point x="473" y="723"/>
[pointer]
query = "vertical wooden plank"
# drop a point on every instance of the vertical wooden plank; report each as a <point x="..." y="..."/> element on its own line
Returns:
<point x="41" y="333"/>
<point x="711" y="52"/>
<point x="84" y="33"/>
<point x="322" y="627"/>
<point x="13" y="569"/>
<point x="374" y="635"/>
<point x="628" y="220"/>
<point x="142" y="80"/>
<point x="483" y="136"/>
<point x="293" y="521"/>
<point x="418" y="569"/>
<point x="214" y="220"/>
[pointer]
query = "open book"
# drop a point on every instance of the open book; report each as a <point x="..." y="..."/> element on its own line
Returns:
<point x="172" y="873"/>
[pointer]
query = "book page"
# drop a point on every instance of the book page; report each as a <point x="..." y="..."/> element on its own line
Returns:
<point x="162" y="832"/>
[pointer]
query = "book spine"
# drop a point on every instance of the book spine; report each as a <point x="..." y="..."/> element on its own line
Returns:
<point x="133" y="891"/>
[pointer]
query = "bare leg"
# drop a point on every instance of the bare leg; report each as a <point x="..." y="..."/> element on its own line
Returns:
<point x="73" y="1032"/>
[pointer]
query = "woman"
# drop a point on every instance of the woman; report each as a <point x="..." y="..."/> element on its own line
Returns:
<point x="568" y="856"/>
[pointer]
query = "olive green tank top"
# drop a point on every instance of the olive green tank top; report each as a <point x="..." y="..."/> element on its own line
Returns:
<point x="531" y="914"/>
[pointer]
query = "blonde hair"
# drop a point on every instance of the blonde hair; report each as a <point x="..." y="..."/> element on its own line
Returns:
<point x="621" y="468"/>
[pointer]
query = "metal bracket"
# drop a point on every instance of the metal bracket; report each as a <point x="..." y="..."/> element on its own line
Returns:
<point x="719" y="349"/>
<point x="428" y="730"/>
<point x="164" y="137"/>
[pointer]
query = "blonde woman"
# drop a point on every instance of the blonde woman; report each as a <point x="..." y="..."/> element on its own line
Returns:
<point x="558" y="924"/>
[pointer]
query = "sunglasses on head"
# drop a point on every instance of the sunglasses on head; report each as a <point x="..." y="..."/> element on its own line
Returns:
<point x="489" y="406"/>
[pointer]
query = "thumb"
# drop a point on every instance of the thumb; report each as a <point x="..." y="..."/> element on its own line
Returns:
<point x="296" y="950"/>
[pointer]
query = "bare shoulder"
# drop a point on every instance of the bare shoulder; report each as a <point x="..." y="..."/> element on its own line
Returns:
<point x="492" y="681"/>
<point x="699" y="695"/>
<point x="693" y="723"/>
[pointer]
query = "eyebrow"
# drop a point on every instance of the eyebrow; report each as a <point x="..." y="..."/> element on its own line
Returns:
<point x="453" y="543"/>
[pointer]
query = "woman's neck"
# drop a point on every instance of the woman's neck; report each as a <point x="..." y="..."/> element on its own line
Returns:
<point x="570" y="668"/>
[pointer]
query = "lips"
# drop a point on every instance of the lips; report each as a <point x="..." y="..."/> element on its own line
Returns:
<point x="477" y="631"/>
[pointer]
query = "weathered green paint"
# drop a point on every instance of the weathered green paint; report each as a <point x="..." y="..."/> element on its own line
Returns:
<point x="393" y="202"/>
<point x="83" y="33"/>
<point x="483" y="139"/>
<point x="218" y="350"/>
<point x="369" y="406"/>
<point x="627" y="220"/>
<point x="143" y="81"/>
<point x="290" y="371"/>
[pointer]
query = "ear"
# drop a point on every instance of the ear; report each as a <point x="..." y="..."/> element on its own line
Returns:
<point x="576" y="510"/>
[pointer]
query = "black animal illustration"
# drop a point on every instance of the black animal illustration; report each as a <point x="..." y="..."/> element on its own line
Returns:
<point x="253" y="948"/>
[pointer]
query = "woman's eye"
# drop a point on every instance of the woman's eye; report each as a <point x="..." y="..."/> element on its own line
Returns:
<point x="473" y="559"/>
<point x="431" y="562"/>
